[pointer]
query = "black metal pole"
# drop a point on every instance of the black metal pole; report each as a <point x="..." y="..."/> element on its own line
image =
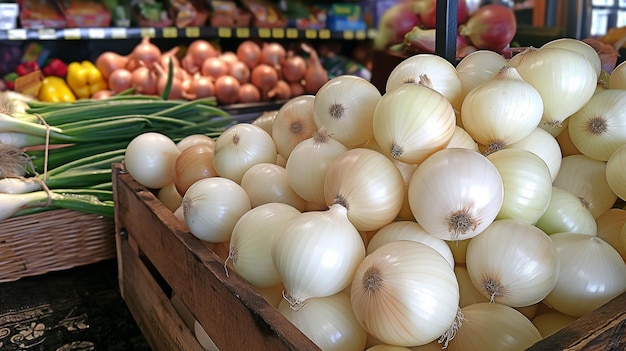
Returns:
<point x="446" y="26"/>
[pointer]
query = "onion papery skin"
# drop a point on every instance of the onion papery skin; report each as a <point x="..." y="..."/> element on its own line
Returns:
<point x="368" y="184"/>
<point x="513" y="263"/>
<point x="610" y="229"/>
<point x="240" y="147"/>
<point x="565" y="79"/>
<point x="250" y="247"/>
<point x="550" y="322"/>
<point x="455" y="194"/>
<point x="578" y="46"/>
<point x="599" y="127"/>
<point x="441" y="73"/>
<point x="317" y="254"/>
<point x="544" y="145"/>
<point x="193" y="163"/>
<point x="412" y="122"/>
<point x="527" y="184"/>
<point x="493" y="327"/>
<point x="293" y="124"/>
<point x="409" y="230"/>
<point x="308" y="163"/>
<point x="266" y="183"/>
<point x="615" y="175"/>
<point x="476" y="68"/>
<point x="212" y="207"/>
<point x="502" y="110"/>
<point x="586" y="178"/>
<point x="405" y="293"/>
<point x="566" y="213"/>
<point x="329" y="322"/>
<point x="345" y="107"/>
<point x="149" y="158"/>
<point x="591" y="274"/>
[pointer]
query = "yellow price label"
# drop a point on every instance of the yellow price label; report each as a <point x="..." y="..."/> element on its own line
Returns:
<point x="348" y="35"/>
<point x="17" y="34"/>
<point x="47" y="34"/>
<point x="147" y="32"/>
<point x="242" y="32"/>
<point x="292" y="33"/>
<point x="170" y="32"/>
<point x="278" y="33"/>
<point x="361" y="34"/>
<point x="265" y="33"/>
<point x="96" y="33"/>
<point x="224" y="32"/>
<point x="192" y="32"/>
<point x="324" y="34"/>
<point x="71" y="34"/>
<point x="310" y="33"/>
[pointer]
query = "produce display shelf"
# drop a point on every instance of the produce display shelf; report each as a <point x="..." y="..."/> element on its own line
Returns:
<point x="181" y="33"/>
<point x="158" y="258"/>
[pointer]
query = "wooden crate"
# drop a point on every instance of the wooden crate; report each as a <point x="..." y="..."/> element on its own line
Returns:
<point x="158" y="257"/>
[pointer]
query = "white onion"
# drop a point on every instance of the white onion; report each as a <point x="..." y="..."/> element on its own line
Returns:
<point x="527" y="184"/>
<point x="149" y="158"/>
<point x="566" y="213"/>
<point x="502" y="110"/>
<point x="513" y="263"/>
<point x="544" y="145"/>
<point x="441" y="73"/>
<point x="409" y="230"/>
<point x="610" y="228"/>
<point x="293" y="123"/>
<point x="368" y="184"/>
<point x="317" y="254"/>
<point x="467" y="291"/>
<point x="307" y="165"/>
<point x="250" y="247"/>
<point x="477" y="68"/>
<point x="578" y="46"/>
<point x="267" y="183"/>
<point x="212" y="207"/>
<point x="405" y="293"/>
<point x="591" y="274"/>
<point x="328" y="321"/>
<point x="565" y="79"/>
<point x="240" y="147"/>
<point x="455" y="194"/>
<point x="618" y="77"/>
<point x="345" y="107"/>
<point x="493" y="326"/>
<point x="615" y="175"/>
<point x="462" y="139"/>
<point x="412" y="121"/>
<point x="586" y="178"/>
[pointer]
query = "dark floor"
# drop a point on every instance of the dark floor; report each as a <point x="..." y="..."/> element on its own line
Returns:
<point x="76" y="309"/>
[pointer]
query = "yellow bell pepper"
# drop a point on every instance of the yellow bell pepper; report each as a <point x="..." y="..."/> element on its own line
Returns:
<point x="85" y="79"/>
<point x="54" y="89"/>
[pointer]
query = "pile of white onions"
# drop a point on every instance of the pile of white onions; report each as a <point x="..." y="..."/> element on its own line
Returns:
<point x="412" y="218"/>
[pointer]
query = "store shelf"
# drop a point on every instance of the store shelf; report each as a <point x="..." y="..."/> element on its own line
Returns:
<point x="189" y="32"/>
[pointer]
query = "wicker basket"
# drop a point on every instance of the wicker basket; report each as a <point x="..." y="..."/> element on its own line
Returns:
<point x="53" y="240"/>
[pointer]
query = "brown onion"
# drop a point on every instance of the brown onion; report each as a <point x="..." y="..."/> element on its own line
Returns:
<point x="102" y="94"/>
<point x="144" y="81"/>
<point x="280" y="91"/>
<point x="199" y="87"/>
<point x="273" y="54"/>
<point x="109" y="61"/>
<point x="249" y="53"/>
<point x="297" y="89"/>
<point x="227" y="90"/>
<point x="121" y="79"/>
<point x="214" y="67"/>
<point x="294" y="68"/>
<point x="176" y="89"/>
<point x="315" y="75"/>
<point x="192" y="164"/>
<point x="146" y="53"/>
<point x="200" y="50"/>
<point x="229" y="57"/>
<point x="241" y="71"/>
<point x="264" y="77"/>
<point x="171" y="54"/>
<point x="248" y="93"/>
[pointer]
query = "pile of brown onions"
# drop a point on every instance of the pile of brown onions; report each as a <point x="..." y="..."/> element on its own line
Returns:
<point x="254" y="72"/>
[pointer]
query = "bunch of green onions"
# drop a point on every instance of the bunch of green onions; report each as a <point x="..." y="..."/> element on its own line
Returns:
<point x="59" y="155"/>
